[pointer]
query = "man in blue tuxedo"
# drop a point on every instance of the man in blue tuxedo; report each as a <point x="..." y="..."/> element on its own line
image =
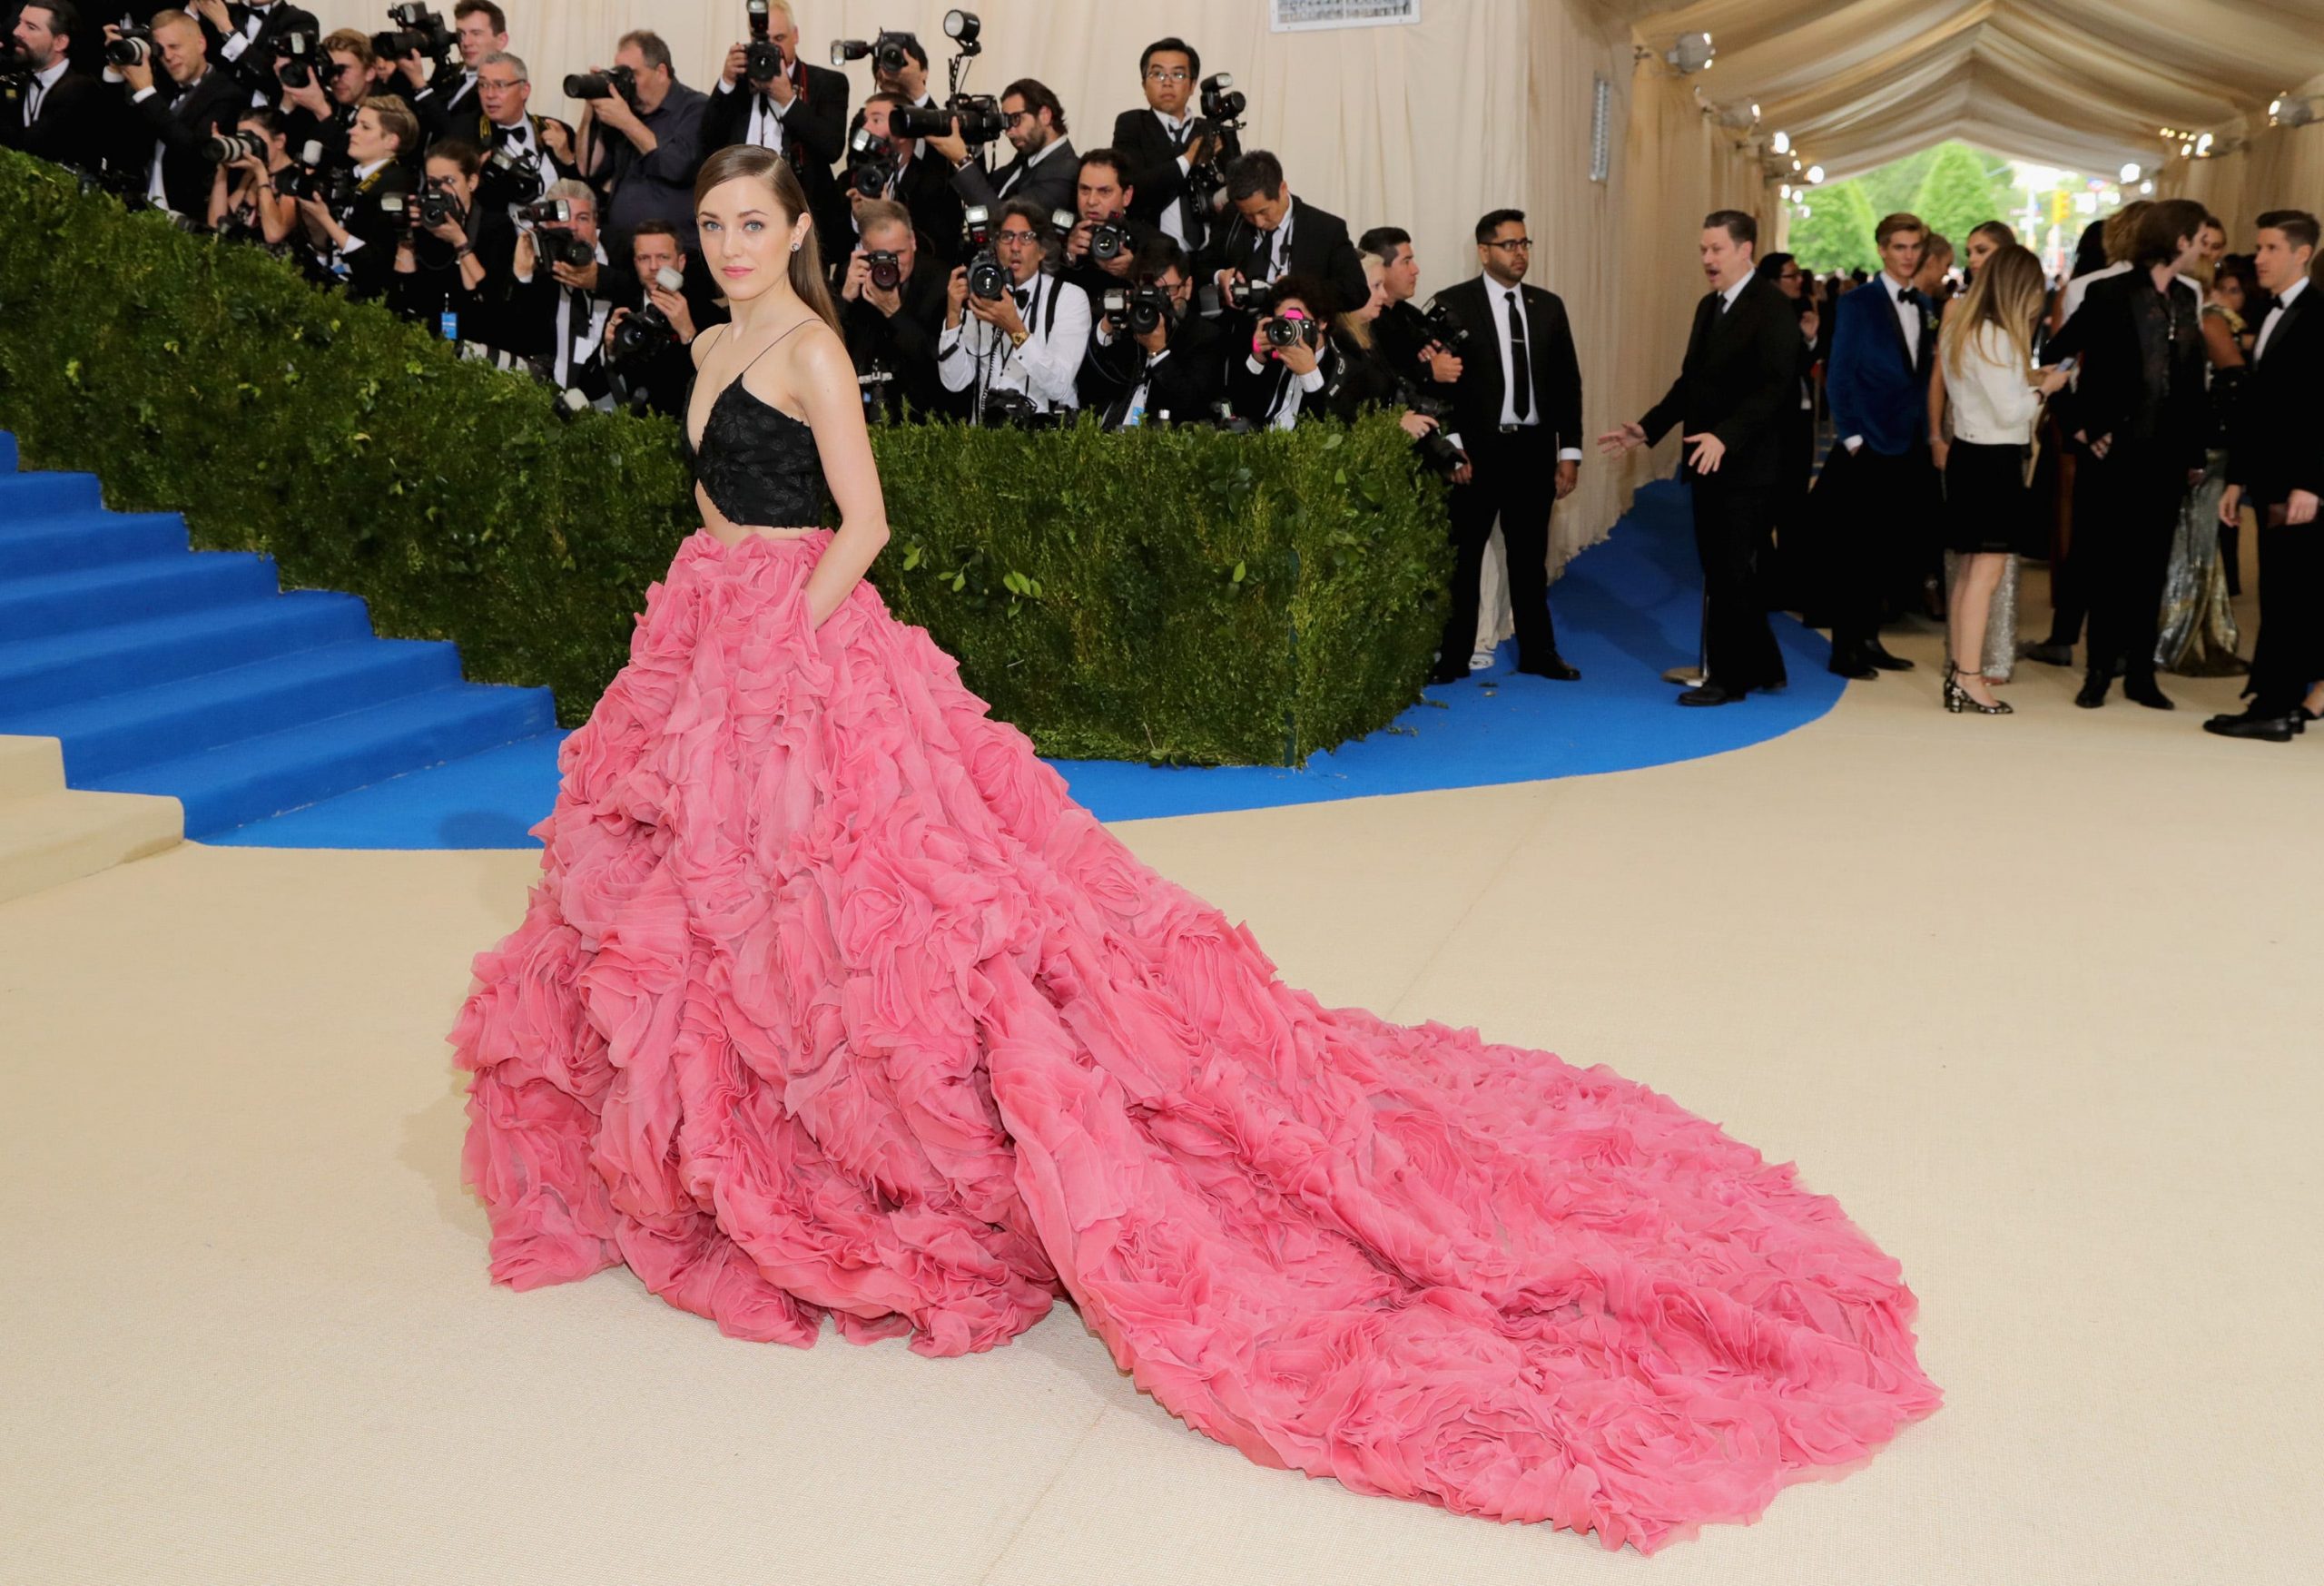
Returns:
<point x="1877" y="484"/>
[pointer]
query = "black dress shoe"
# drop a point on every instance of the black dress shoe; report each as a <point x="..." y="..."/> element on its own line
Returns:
<point x="1554" y="668"/>
<point x="2252" y="724"/>
<point x="1441" y="674"/>
<point x="2093" y="692"/>
<point x="1879" y="656"/>
<point x="2144" y="691"/>
<point x="1850" y="667"/>
<point x="2049" y="655"/>
<point x="1712" y="693"/>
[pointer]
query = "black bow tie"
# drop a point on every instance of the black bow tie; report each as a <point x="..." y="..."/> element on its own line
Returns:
<point x="1023" y="295"/>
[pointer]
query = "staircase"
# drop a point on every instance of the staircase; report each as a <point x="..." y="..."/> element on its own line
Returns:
<point x="160" y="670"/>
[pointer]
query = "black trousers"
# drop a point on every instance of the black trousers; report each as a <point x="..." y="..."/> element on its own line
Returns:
<point x="1784" y="563"/>
<point x="1874" y="521"/>
<point x="2068" y="600"/>
<point x="1730" y="528"/>
<point x="2289" y="656"/>
<point x="1514" y="478"/>
<point x="2121" y="554"/>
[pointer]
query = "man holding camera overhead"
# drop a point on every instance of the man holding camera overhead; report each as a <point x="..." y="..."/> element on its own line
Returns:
<point x="884" y="164"/>
<point x="242" y="39"/>
<point x="767" y="96"/>
<point x="444" y="98"/>
<point x="176" y="126"/>
<point x="1014" y="330"/>
<point x="898" y="68"/>
<point x="1045" y="170"/>
<point x="641" y="136"/>
<point x="891" y="309"/>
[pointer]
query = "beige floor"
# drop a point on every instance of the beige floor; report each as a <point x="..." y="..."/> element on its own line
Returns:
<point x="2036" y="998"/>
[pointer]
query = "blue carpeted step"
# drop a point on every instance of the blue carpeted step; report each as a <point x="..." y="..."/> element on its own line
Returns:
<point x="7" y="452"/>
<point x="252" y="778"/>
<point x="91" y="597"/>
<point x="121" y="731"/>
<point x="95" y="662"/>
<point x="31" y="495"/>
<point x="31" y="548"/>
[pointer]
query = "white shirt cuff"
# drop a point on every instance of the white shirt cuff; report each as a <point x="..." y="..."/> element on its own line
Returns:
<point x="1183" y="166"/>
<point x="142" y="95"/>
<point x="236" y="44"/>
<point x="1854" y="443"/>
<point x="1312" y="382"/>
<point x="1569" y="454"/>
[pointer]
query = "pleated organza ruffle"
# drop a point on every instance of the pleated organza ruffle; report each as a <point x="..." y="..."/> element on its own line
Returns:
<point x="832" y="1002"/>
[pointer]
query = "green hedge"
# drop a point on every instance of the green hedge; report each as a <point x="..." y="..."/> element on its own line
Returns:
<point x="1176" y="595"/>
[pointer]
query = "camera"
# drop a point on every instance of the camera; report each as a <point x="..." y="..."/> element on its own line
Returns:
<point x="889" y="51"/>
<point x="420" y="29"/>
<point x="437" y="206"/>
<point x="1144" y="308"/>
<point x="548" y="212"/>
<point x="979" y="115"/>
<point x="621" y="80"/>
<point x="1221" y="122"/>
<point x="886" y="271"/>
<point x="1015" y="410"/>
<point x="563" y="248"/>
<point x="987" y="279"/>
<point x="234" y="146"/>
<point x="1248" y="297"/>
<point x="761" y="57"/>
<point x="134" y="48"/>
<point x="524" y="170"/>
<point x="296" y="53"/>
<point x="1439" y="453"/>
<point x="647" y="331"/>
<point x="871" y="163"/>
<point x="1108" y="240"/>
<point x="1444" y="327"/>
<point x="1280" y="332"/>
<point x="1221" y="106"/>
<point x="303" y="177"/>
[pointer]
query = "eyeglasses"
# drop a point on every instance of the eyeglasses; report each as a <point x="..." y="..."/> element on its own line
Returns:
<point x="1514" y="245"/>
<point x="1010" y="118"/>
<point x="1167" y="74"/>
<point x="1019" y="238"/>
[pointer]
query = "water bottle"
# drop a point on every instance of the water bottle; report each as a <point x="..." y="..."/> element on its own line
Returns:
<point x="450" y="326"/>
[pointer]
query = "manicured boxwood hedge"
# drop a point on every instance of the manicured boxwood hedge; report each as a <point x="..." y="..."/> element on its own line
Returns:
<point x="1175" y="595"/>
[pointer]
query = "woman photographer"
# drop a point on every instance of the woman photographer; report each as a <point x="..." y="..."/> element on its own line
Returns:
<point x="1365" y="378"/>
<point x="441" y="268"/>
<point x="1290" y="361"/>
<point x="245" y="204"/>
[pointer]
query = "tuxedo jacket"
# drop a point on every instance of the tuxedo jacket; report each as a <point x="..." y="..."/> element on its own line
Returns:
<point x="1187" y="384"/>
<point x="371" y="267"/>
<point x="926" y="189"/>
<point x="446" y="107"/>
<point x="74" y="127"/>
<point x="1156" y="184"/>
<point x="904" y="347"/>
<point x="2123" y="328"/>
<point x="1550" y="357"/>
<point x="2277" y="443"/>
<point x="498" y="189"/>
<point x="1320" y="249"/>
<point x="1877" y="386"/>
<point x="253" y="66"/>
<point x="180" y="126"/>
<point x="1052" y="185"/>
<point x="1739" y="381"/>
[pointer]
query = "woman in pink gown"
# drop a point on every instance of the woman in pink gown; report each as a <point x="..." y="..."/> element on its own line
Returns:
<point x="831" y="1002"/>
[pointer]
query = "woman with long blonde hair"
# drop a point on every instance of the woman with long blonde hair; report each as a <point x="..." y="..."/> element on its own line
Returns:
<point x="1986" y="350"/>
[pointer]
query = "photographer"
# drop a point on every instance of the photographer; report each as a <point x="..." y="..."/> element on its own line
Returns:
<point x="647" y="354"/>
<point x="448" y="101"/>
<point x="354" y="231"/>
<point x="245" y="46"/>
<point x="1289" y="361"/>
<point x="321" y="108"/>
<point x="1101" y="250"/>
<point x="1162" y="146"/>
<point x="557" y="313"/>
<point x="520" y="150"/>
<point x="58" y="115"/>
<point x="1152" y="360"/>
<point x="1413" y="347"/>
<point x="891" y="329"/>
<point x="1273" y="235"/>
<point x="246" y="205"/>
<point x="1043" y="172"/>
<point x="641" y="136"/>
<point x="454" y="257"/>
<point x="892" y="167"/>
<point x="1027" y="338"/>
<point x="1366" y="377"/>
<point x="901" y="74"/>
<point x="798" y="110"/>
<point x="164" y="148"/>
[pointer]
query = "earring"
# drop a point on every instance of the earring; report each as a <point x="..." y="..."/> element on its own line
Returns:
<point x="794" y="246"/>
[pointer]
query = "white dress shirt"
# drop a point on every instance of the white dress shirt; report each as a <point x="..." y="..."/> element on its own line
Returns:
<point x="2291" y="296"/>
<point x="765" y="128"/>
<point x="1294" y="388"/>
<point x="239" y="42"/>
<point x="1993" y="403"/>
<point x="1505" y="302"/>
<point x="36" y="91"/>
<point x="976" y="356"/>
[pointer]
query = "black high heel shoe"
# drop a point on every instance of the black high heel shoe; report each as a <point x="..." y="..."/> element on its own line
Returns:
<point x="1958" y="699"/>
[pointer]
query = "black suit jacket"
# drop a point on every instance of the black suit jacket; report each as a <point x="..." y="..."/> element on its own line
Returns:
<point x="74" y="126"/>
<point x="904" y="347"/>
<point x="1156" y="184"/>
<point x="1187" y="384"/>
<point x="1052" y="185"/>
<point x="424" y="294"/>
<point x="179" y="125"/>
<point x="1549" y="355"/>
<point x="371" y="267"/>
<point x="926" y="189"/>
<point x="2112" y="395"/>
<point x="1739" y="379"/>
<point x="2275" y="448"/>
<point x="255" y="66"/>
<point x="1320" y="249"/>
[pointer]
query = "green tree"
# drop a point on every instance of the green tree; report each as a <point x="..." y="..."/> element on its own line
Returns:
<point x="1895" y="185"/>
<point x="1836" y="231"/>
<point x="1960" y="191"/>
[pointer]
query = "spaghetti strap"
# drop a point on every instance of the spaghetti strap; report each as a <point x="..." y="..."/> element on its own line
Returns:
<point x="771" y="346"/>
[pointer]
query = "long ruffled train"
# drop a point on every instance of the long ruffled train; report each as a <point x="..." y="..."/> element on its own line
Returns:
<point x="830" y="1001"/>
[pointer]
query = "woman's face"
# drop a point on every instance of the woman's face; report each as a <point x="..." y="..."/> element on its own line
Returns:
<point x="746" y="238"/>
<point x="1980" y="248"/>
<point x="2227" y="291"/>
<point x="1378" y="279"/>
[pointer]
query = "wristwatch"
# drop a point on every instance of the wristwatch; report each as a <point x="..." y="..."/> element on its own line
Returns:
<point x="1017" y="338"/>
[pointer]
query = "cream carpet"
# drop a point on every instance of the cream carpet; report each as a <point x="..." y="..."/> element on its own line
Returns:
<point x="2036" y="998"/>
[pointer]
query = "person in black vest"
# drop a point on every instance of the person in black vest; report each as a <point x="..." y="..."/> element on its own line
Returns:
<point x="169" y="130"/>
<point x="58" y="115"/>
<point x="241" y="39"/>
<point x="2275" y="466"/>
<point x="356" y="245"/>
<point x="1517" y="414"/>
<point x="448" y="101"/>
<point x="1735" y="393"/>
<point x="1161" y="146"/>
<point x="1272" y="234"/>
<point x="460" y="266"/>
<point x="1175" y="370"/>
<point x="2139" y="432"/>
<point x="800" y="112"/>
<point x="891" y="332"/>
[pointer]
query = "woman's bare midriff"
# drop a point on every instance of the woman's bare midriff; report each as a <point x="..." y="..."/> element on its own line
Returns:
<point x="714" y="524"/>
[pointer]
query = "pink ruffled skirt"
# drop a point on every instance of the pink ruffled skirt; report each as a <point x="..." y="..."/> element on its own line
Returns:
<point x="832" y="1002"/>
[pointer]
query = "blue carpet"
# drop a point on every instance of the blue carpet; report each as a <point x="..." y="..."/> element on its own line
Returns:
<point x="1626" y="610"/>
